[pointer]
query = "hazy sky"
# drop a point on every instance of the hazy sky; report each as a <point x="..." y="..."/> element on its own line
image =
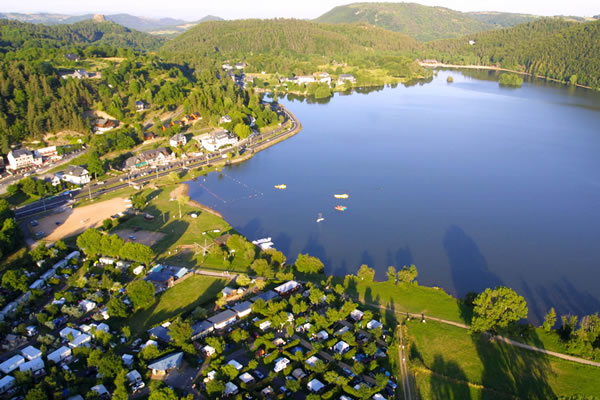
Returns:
<point x="233" y="9"/>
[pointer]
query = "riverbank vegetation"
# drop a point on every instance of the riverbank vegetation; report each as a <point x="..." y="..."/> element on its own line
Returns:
<point x="549" y="47"/>
<point x="511" y="80"/>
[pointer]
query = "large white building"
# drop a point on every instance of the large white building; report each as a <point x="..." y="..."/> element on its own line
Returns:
<point x="214" y="141"/>
<point x="22" y="158"/>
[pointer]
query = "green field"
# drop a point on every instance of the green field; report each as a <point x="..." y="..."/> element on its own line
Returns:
<point x="184" y="236"/>
<point x="411" y="298"/>
<point x="503" y="370"/>
<point x="181" y="298"/>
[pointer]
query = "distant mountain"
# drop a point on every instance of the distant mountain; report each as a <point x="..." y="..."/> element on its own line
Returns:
<point x="15" y="35"/>
<point x="142" y="24"/>
<point x="285" y="37"/>
<point x="421" y="22"/>
<point x="175" y="29"/>
<point x="550" y="47"/>
<point x="502" y="19"/>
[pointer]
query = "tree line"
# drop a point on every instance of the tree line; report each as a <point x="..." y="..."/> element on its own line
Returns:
<point x="94" y="243"/>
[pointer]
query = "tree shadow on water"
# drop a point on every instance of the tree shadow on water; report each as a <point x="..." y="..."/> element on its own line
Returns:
<point x="469" y="267"/>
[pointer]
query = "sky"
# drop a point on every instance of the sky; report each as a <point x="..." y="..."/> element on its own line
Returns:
<point x="234" y="9"/>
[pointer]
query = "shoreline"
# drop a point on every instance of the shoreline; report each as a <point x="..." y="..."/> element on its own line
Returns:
<point x="492" y="68"/>
<point x="182" y="189"/>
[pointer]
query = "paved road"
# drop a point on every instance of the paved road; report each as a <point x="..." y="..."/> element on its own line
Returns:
<point x="250" y="144"/>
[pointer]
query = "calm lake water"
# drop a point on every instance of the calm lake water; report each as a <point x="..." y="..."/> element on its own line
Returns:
<point x="476" y="184"/>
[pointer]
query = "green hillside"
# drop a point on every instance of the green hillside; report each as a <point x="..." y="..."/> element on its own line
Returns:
<point x="550" y="47"/>
<point x="421" y="22"/>
<point x="285" y="37"/>
<point x="14" y="35"/>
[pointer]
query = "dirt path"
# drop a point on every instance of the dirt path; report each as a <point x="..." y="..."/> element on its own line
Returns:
<point x="498" y="338"/>
<point x="403" y="368"/>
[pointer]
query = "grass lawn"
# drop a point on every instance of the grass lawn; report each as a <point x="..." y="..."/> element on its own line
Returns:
<point x="411" y="298"/>
<point x="20" y="199"/>
<point x="183" y="235"/>
<point x="79" y="160"/>
<point x="181" y="298"/>
<point x="504" y="369"/>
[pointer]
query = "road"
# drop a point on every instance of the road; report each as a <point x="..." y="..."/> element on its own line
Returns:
<point x="404" y="371"/>
<point x="250" y="144"/>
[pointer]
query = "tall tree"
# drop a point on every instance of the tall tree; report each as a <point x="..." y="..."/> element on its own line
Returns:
<point x="141" y="293"/>
<point x="497" y="308"/>
<point x="549" y="320"/>
<point x="365" y="273"/>
<point x="308" y="264"/>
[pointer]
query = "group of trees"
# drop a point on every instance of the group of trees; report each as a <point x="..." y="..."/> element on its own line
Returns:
<point x="11" y="235"/>
<point x="33" y="187"/>
<point x="94" y="243"/>
<point x="407" y="274"/>
<point x="581" y="339"/>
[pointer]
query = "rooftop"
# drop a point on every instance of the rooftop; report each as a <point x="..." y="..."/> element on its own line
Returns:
<point x="167" y="362"/>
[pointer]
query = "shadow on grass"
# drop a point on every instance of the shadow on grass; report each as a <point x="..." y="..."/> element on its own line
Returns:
<point x="514" y="371"/>
<point x="144" y="319"/>
<point x="442" y="389"/>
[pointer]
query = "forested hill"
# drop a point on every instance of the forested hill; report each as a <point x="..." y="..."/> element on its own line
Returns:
<point x="554" y="48"/>
<point x="421" y="22"/>
<point x="15" y="35"/>
<point x="286" y="37"/>
<point x="502" y="19"/>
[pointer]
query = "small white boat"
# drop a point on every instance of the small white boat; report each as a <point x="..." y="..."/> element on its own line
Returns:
<point x="320" y="218"/>
<point x="258" y="242"/>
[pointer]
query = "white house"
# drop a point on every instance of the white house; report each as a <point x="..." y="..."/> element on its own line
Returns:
<point x="74" y="174"/>
<point x="374" y="324"/>
<point x="280" y="364"/>
<point x="312" y="361"/>
<point x="214" y="141"/>
<point x="133" y="376"/>
<point x="315" y="386"/>
<point x="305" y="79"/>
<point x="264" y="325"/>
<point x="242" y="309"/>
<point x="101" y="390"/>
<point x="246" y="378"/>
<point x="343" y="78"/>
<point x="223" y="319"/>
<point x="50" y="152"/>
<point x="208" y="350"/>
<point x="33" y="365"/>
<point x="22" y="158"/>
<point x="225" y="119"/>
<point x="31" y="353"/>
<point x="178" y="140"/>
<point x="60" y="354"/>
<point x="287" y="288"/>
<point x="64" y="333"/>
<point x="357" y="315"/>
<point x="235" y="364"/>
<point x="6" y="383"/>
<point x="323" y="77"/>
<point x="341" y="347"/>
<point x="322" y="335"/>
<point x="11" y="364"/>
<point x="127" y="360"/>
<point x="106" y="260"/>
<point x="87" y="305"/>
<point x="82" y="340"/>
<point x="230" y="389"/>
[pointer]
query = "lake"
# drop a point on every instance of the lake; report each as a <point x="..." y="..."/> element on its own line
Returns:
<point x="476" y="184"/>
